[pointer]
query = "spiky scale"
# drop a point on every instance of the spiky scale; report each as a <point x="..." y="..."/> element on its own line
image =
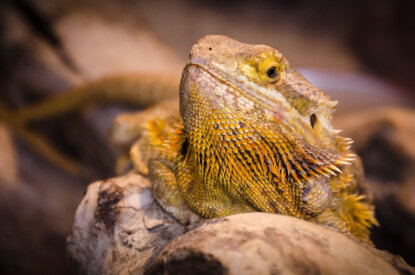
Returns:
<point x="245" y="142"/>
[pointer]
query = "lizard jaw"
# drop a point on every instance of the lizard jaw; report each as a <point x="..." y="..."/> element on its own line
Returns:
<point x="193" y="70"/>
<point x="275" y="103"/>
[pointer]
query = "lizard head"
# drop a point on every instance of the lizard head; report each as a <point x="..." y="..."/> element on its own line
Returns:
<point x="255" y="84"/>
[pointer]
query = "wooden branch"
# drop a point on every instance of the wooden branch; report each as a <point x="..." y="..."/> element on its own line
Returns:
<point x="120" y="229"/>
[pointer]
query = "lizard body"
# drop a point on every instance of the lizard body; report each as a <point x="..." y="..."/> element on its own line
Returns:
<point x="249" y="134"/>
<point x="252" y="135"/>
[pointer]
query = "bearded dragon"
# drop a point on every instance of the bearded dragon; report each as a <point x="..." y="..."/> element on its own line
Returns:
<point x="252" y="134"/>
<point x="249" y="134"/>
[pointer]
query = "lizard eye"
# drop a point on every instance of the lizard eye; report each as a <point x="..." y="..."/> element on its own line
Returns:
<point x="269" y="70"/>
<point x="272" y="72"/>
<point x="313" y="120"/>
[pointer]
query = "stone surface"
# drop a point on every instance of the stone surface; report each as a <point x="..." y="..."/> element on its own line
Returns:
<point x="120" y="229"/>
<point x="48" y="47"/>
<point x="385" y="141"/>
<point x="261" y="243"/>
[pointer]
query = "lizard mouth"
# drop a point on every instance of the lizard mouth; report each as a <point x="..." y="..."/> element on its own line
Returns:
<point x="273" y="101"/>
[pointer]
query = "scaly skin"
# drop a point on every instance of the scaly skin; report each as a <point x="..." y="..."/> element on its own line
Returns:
<point x="252" y="135"/>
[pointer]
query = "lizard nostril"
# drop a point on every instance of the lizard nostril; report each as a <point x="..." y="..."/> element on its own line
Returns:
<point x="210" y="48"/>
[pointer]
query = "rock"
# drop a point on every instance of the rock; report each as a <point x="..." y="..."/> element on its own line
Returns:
<point x="120" y="229"/>
<point x="385" y="141"/>
<point x="48" y="47"/>
<point x="262" y="243"/>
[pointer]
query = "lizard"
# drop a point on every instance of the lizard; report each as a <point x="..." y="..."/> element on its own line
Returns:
<point x="249" y="134"/>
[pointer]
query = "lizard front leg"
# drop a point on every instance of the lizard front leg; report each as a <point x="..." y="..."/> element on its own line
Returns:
<point x="129" y="129"/>
<point x="153" y="155"/>
<point x="167" y="192"/>
<point x="205" y="198"/>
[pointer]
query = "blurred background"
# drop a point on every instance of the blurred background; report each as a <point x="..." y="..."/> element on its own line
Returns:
<point x="360" y="52"/>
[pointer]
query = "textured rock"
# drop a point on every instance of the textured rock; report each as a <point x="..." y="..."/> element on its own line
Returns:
<point x="260" y="243"/>
<point x="120" y="229"/>
<point x="385" y="141"/>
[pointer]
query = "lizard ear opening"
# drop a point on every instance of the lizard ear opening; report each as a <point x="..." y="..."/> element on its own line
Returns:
<point x="313" y="120"/>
